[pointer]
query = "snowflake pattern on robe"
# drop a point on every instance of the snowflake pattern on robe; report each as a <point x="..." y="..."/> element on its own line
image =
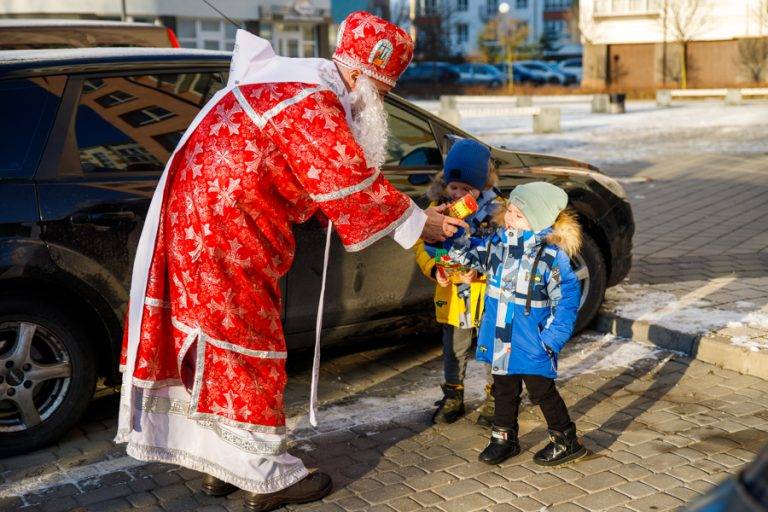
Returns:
<point x="246" y="174"/>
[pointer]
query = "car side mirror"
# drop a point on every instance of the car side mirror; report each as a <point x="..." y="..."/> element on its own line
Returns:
<point x="419" y="179"/>
<point x="422" y="157"/>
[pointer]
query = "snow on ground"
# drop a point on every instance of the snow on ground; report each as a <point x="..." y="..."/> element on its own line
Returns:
<point x="644" y="132"/>
<point x="586" y="353"/>
<point x="691" y="313"/>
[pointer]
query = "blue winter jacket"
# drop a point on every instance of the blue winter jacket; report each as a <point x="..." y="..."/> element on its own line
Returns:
<point x="525" y="325"/>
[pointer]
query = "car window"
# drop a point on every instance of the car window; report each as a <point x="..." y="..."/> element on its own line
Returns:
<point x="411" y="141"/>
<point x="28" y="110"/>
<point x="133" y="123"/>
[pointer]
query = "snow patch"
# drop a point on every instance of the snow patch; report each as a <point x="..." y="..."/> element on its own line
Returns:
<point x="584" y="354"/>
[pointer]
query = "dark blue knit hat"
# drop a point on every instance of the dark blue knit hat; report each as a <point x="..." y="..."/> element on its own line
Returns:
<point x="467" y="162"/>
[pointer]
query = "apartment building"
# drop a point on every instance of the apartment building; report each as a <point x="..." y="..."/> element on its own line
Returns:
<point x="638" y="44"/>
<point x="461" y="22"/>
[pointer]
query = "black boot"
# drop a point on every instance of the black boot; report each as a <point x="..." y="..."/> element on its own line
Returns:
<point x="563" y="447"/>
<point x="212" y="486"/>
<point x="451" y="407"/>
<point x="503" y="445"/>
<point x="313" y="487"/>
<point x="488" y="410"/>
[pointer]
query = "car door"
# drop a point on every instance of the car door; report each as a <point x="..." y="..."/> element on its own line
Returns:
<point x="382" y="282"/>
<point x="103" y="163"/>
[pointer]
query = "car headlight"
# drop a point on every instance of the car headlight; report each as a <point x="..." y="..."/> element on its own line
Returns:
<point x="610" y="184"/>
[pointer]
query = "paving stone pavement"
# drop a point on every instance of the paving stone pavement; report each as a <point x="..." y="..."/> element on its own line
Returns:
<point x="663" y="429"/>
<point x="700" y="247"/>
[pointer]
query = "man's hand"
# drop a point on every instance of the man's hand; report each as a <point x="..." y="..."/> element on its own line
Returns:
<point x="438" y="226"/>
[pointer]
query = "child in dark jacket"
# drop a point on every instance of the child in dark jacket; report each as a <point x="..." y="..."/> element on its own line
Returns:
<point x="531" y="304"/>
<point x="458" y="299"/>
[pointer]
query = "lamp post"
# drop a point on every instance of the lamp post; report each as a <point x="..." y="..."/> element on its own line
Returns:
<point x="503" y="11"/>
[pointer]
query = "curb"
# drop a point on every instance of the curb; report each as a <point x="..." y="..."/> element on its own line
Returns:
<point x="708" y="348"/>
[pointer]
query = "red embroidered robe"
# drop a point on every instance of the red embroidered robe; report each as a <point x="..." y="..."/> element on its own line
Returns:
<point x="265" y="157"/>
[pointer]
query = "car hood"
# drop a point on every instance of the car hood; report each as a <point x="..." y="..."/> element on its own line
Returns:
<point x="509" y="159"/>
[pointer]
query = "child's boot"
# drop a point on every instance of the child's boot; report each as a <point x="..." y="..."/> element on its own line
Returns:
<point x="503" y="445"/>
<point x="451" y="407"/>
<point x="563" y="447"/>
<point x="488" y="409"/>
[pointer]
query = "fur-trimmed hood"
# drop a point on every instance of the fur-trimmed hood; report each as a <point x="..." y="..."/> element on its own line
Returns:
<point x="566" y="233"/>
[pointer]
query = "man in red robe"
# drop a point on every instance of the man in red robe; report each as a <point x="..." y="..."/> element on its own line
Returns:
<point x="204" y="353"/>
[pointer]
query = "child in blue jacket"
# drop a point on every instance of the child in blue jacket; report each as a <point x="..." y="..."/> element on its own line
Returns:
<point x="531" y="304"/>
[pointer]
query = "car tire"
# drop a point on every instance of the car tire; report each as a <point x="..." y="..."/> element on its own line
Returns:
<point x="495" y="84"/>
<point x="593" y="284"/>
<point x="58" y="399"/>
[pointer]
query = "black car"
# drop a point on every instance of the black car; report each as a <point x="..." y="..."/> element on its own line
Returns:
<point x="429" y="72"/>
<point x="83" y="139"/>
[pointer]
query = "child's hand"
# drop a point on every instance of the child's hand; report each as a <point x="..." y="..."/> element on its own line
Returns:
<point x="442" y="279"/>
<point x="468" y="277"/>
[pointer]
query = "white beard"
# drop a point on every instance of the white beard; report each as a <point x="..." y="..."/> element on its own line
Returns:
<point x="369" y="122"/>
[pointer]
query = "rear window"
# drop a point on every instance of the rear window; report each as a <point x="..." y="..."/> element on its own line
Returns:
<point x="133" y="123"/>
<point x="28" y="109"/>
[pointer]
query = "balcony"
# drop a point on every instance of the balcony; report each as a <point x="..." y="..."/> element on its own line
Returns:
<point x="557" y="5"/>
<point x="298" y="12"/>
<point x="627" y="7"/>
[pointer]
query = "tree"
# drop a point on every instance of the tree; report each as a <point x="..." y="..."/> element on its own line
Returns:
<point x="549" y="42"/>
<point x="503" y="39"/>
<point x="434" y="24"/>
<point x="753" y="52"/>
<point x="683" y="20"/>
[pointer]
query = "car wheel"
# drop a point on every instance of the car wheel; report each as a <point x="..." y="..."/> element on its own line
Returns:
<point x="495" y="84"/>
<point x="47" y="374"/>
<point x="589" y="266"/>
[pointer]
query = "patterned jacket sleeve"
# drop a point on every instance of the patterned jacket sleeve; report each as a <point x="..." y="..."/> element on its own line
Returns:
<point x="564" y="293"/>
<point x="313" y="134"/>
<point x="472" y="252"/>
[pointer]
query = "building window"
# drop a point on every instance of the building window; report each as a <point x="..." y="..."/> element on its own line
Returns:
<point x="145" y="116"/>
<point x="521" y="4"/>
<point x="430" y="6"/>
<point x="462" y="33"/>
<point x="558" y="28"/>
<point x="310" y="41"/>
<point x="114" y="98"/>
<point x="462" y="5"/>
<point x="211" y="34"/>
<point x="92" y="84"/>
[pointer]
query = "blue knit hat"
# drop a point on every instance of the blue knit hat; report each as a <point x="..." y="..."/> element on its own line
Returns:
<point x="467" y="162"/>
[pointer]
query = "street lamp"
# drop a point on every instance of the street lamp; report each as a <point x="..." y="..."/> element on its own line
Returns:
<point x="503" y="10"/>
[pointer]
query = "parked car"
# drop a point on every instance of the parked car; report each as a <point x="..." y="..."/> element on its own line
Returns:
<point x="566" y="77"/>
<point x="479" y="74"/>
<point x="429" y="72"/>
<point x="38" y="33"/>
<point x="83" y="140"/>
<point x="543" y="72"/>
<point x="573" y="66"/>
<point x="518" y="75"/>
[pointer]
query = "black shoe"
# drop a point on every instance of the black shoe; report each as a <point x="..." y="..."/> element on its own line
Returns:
<point x="212" y="486"/>
<point x="451" y="407"/>
<point x="563" y="447"/>
<point x="503" y="445"/>
<point x="488" y="410"/>
<point x="313" y="487"/>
